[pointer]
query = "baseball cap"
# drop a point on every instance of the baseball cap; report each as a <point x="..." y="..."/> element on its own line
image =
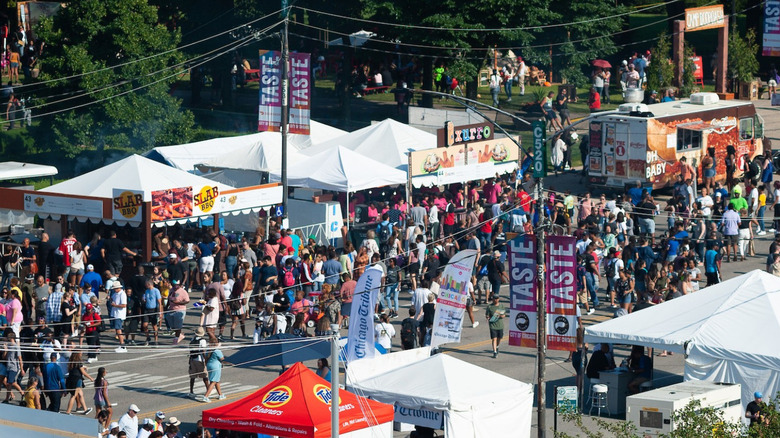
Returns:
<point x="114" y="425"/>
<point x="625" y="62"/>
<point x="90" y="267"/>
<point x="88" y="306"/>
<point x="133" y="408"/>
<point x="653" y="92"/>
<point x="148" y="422"/>
<point x="160" y="415"/>
<point x="495" y="297"/>
<point x="758" y="394"/>
<point x="737" y="189"/>
<point x="312" y="237"/>
<point x="172" y="255"/>
<point x="30" y="277"/>
<point x="174" y="281"/>
<point x="496" y="253"/>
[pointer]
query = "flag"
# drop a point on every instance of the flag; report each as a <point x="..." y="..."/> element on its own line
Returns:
<point x="360" y="338"/>
<point x="561" y="288"/>
<point x="453" y="292"/>
<point x="300" y="95"/>
<point x="522" y="291"/>
<point x="270" y="110"/>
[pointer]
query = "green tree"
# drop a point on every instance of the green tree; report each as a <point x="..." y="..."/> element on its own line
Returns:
<point x="743" y="64"/>
<point x="660" y="72"/>
<point x="124" y="63"/>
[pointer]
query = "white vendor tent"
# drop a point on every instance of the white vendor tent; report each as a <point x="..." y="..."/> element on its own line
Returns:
<point x="262" y="155"/>
<point x="17" y="170"/>
<point x="365" y="369"/>
<point x="728" y="331"/>
<point x="387" y="141"/>
<point x="341" y="170"/>
<point x="132" y="173"/>
<point x="187" y="156"/>
<point x="476" y="402"/>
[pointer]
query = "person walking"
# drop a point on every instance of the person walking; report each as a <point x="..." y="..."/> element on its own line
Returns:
<point x="197" y="361"/>
<point x="495" y="313"/>
<point x="102" y="403"/>
<point x="214" y="360"/>
<point x="494" y="84"/>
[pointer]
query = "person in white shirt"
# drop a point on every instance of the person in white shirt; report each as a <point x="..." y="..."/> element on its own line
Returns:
<point x="420" y="297"/>
<point x="384" y="332"/>
<point x="706" y="203"/>
<point x="129" y="422"/>
<point x="433" y="221"/>
<point x="118" y="314"/>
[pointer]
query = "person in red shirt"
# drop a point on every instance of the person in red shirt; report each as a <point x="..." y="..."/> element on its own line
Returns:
<point x="91" y="320"/>
<point x="347" y="293"/>
<point x="594" y="100"/>
<point x="66" y="246"/>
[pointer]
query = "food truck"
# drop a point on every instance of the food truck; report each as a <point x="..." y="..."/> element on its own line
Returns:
<point x="646" y="142"/>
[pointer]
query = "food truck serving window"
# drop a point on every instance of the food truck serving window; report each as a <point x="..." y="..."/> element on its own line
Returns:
<point x="746" y="129"/>
<point x="651" y="419"/>
<point x="688" y="139"/>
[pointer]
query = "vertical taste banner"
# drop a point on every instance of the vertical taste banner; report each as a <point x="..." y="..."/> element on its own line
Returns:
<point x="561" y="289"/>
<point x="451" y="303"/>
<point x="300" y="95"/>
<point x="270" y="110"/>
<point x="522" y="291"/>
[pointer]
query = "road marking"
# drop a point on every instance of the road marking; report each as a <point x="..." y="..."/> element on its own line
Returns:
<point x="153" y="384"/>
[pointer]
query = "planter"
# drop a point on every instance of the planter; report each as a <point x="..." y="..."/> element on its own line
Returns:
<point x="749" y="90"/>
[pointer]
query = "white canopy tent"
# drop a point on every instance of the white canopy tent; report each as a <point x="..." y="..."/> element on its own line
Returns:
<point x="262" y="155"/>
<point x="17" y="170"/>
<point x="132" y="173"/>
<point x="187" y="156"/>
<point x="388" y="142"/>
<point x="728" y="332"/>
<point x="458" y="389"/>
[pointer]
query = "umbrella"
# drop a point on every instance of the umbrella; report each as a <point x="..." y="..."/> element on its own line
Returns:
<point x="601" y="63"/>
<point x="281" y="349"/>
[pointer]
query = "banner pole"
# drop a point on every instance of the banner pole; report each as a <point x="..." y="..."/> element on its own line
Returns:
<point x="334" y="382"/>
<point x="541" y="319"/>
<point x="285" y="106"/>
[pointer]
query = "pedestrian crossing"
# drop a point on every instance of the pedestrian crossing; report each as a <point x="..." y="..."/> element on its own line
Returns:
<point x="178" y="386"/>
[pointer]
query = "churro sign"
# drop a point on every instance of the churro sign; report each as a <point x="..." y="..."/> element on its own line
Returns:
<point x="127" y="204"/>
<point x="205" y="198"/>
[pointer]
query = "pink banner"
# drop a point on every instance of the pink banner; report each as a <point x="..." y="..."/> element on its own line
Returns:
<point x="270" y="110"/>
<point x="300" y="96"/>
<point x="561" y="289"/>
<point x="522" y="291"/>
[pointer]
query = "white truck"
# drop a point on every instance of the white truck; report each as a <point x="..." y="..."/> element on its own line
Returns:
<point x="652" y="412"/>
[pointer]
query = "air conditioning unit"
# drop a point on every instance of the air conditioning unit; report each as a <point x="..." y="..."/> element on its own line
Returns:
<point x="704" y="98"/>
<point x="17" y="229"/>
<point x="632" y="108"/>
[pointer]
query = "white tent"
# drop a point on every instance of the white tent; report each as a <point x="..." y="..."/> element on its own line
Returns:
<point x="476" y="402"/>
<point x="262" y="155"/>
<point x="341" y="170"/>
<point x="365" y="369"/>
<point x="728" y="331"/>
<point x="387" y="141"/>
<point x="187" y="156"/>
<point x="132" y="173"/>
<point x="355" y="39"/>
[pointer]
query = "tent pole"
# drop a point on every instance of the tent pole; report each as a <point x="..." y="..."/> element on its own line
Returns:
<point x="334" y="382"/>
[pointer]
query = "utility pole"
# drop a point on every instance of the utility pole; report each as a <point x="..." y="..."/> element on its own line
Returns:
<point x="285" y="107"/>
<point x="539" y="172"/>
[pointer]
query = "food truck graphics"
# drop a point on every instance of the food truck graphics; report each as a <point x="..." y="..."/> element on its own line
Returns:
<point x="645" y="142"/>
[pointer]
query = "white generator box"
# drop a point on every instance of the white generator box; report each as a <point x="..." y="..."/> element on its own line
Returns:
<point x="322" y="219"/>
<point x="652" y="411"/>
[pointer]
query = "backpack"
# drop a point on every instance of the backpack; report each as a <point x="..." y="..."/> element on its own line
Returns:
<point x="288" y="279"/>
<point x="195" y="351"/>
<point x="408" y="335"/>
<point x="612" y="270"/>
<point x="753" y="169"/>
<point x="494" y="82"/>
<point x="385" y="231"/>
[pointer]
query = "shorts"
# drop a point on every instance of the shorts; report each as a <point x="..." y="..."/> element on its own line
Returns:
<point x="116" y="323"/>
<point x="3" y="370"/>
<point x="101" y="404"/>
<point x="483" y="284"/>
<point x="772" y="83"/>
<point x="222" y="320"/>
<point x="413" y="268"/>
<point x="582" y="297"/>
<point x="11" y="376"/>
<point x="469" y="303"/>
<point x="496" y="334"/>
<point x="151" y="316"/>
<point x="206" y="264"/>
<point x="77" y="271"/>
<point x="627" y="298"/>
<point x="197" y="369"/>
<point x="14" y="65"/>
<point x="731" y="239"/>
<point x="175" y="319"/>
<point x="550" y="115"/>
<point x="647" y="226"/>
<point x="709" y="172"/>
<point x="346" y="309"/>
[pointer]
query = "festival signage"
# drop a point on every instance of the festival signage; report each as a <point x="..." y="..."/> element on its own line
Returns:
<point x="698" y="72"/>
<point x="420" y="416"/>
<point x="430" y="161"/>
<point x="522" y="291"/>
<point x="451" y="302"/>
<point x="561" y="291"/>
<point x="162" y="205"/>
<point x="705" y="17"/>
<point x="249" y="197"/>
<point x="270" y="110"/>
<point x="300" y="95"/>
<point x="127" y="205"/>
<point x="495" y="151"/>
<point x="38" y="202"/>
<point x="452" y="135"/>
<point x="205" y="199"/>
<point x="771" y="38"/>
<point x="540" y="149"/>
<point x="360" y="338"/>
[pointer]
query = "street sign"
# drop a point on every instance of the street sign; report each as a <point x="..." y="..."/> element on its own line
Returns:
<point x="540" y="149"/>
<point x="566" y="398"/>
<point x="279" y="211"/>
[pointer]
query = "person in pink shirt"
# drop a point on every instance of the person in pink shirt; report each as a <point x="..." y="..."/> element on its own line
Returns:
<point x="302" y="305"/>
<point x="13" y="311"/>
<point x="347" y="292"/>
<point x="491" y="192"/>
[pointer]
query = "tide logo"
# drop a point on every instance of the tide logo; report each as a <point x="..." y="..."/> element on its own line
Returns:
<point x="206" y="198"/>
<point x="277" y="397"/>
<point x="323" y="394"/>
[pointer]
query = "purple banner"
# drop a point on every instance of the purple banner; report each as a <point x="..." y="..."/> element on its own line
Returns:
<point x="561" y="288"/>
<point x="522" y="291"/>
<point x="300" y="96"/>
<point x="270" y="110"/>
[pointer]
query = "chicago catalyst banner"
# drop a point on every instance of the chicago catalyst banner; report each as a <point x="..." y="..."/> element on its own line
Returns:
<point x="360" y="338"/>
<point x="270" y="111"/>
<point x="561" y="288"/>
<point x="522" y="291"/>
<point x="453" y="292"/>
